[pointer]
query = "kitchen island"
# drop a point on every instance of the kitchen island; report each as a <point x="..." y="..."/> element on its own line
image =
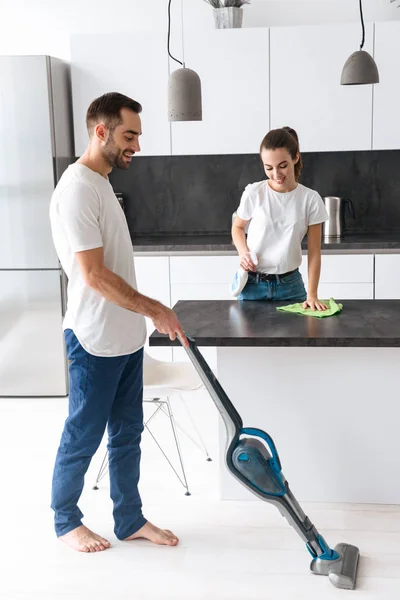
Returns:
<point x="326" y="390"/>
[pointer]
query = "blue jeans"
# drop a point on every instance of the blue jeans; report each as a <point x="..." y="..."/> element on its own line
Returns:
<point x="103" y="391"/>
<point x="290" y="288"/>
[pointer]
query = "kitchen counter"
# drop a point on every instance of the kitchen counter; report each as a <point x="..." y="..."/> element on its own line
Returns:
<point x="186" y="244"/>
<point x="325" y="389"/>
<point x="222" y="244"/>
<point x="361" y="324"/>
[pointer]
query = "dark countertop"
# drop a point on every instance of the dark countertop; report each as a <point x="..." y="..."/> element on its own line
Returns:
<point x="184" y="243"/>
<point x="170" y="243"/>
<point x="362" y="323"/>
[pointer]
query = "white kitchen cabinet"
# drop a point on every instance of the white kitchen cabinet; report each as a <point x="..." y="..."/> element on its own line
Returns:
<point x="306" y="65"/>
<point x="203" y="269"/>
<point x="344" y="276"/>
<point x="347" y="268"/>
<point x="200" y="291"/>
<point x="201" y="278"/>
<point x="152" y="276"/>
<point x="233" y="65"/>
<point x="386" y="124"/>
<point x="134" y="64"/>
<point x="387" y="276"/>
<point x="346" y="291"/>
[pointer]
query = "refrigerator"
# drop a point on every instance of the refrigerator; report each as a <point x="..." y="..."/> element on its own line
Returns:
<point x="36" y="145"/>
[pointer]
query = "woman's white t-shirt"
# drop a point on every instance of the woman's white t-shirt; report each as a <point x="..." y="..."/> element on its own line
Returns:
<point x="278" y="224"/>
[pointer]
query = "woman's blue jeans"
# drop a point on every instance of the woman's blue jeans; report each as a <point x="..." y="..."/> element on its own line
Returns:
<point x="290" y="288"/>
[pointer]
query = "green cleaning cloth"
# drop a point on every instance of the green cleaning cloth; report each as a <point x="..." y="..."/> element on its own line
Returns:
<point x="333" y="309"/>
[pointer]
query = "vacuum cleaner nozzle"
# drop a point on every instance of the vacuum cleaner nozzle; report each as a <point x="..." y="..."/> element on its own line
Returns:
<point x="342" y="572"/>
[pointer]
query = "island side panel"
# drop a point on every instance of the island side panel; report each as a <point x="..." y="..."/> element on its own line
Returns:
<point x="333" y="413"/>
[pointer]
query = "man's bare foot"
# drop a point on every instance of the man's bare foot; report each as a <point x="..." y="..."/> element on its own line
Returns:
<point x="163" y="537"/>
<point x="84" y="540"/>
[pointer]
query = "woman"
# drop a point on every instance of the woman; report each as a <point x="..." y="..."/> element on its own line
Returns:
<point x="281" y="212"/>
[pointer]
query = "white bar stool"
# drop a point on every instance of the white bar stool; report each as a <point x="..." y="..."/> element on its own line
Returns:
<point x="161" y="381"/>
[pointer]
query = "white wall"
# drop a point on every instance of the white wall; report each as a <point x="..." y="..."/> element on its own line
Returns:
<point x="45" y="26"/>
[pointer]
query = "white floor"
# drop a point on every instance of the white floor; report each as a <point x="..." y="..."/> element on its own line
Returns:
<point x="228" y="550"/>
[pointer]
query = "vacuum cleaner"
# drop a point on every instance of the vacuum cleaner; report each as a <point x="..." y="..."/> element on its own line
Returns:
<point x="252" y="458"/>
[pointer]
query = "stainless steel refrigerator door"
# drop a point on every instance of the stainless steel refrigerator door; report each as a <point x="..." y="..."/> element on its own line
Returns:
<point x="32" y="352"/>
<point x="26" y="165"/>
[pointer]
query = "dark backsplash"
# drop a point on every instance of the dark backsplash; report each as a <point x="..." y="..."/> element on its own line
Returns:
<point x="197" y="194"/>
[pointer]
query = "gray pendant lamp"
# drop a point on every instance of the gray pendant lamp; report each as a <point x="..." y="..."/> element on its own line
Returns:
<point x="360" y="68"/>
<point x="184" y="89"/>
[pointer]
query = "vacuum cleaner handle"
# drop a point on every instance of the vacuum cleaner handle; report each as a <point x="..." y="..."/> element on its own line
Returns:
<point x="228" y="412"/>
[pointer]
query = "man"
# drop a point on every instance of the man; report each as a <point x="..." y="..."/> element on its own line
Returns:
<point x="104" y="330"/>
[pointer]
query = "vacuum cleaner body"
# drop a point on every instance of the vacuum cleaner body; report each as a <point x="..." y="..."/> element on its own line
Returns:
<point x="252" y="458"/>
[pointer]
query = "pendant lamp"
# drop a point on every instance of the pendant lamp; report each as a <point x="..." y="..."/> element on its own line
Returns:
<point x="360" y="68"/>
<point x="184" y="89"/>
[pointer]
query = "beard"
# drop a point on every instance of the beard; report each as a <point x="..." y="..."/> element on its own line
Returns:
<point x="114" y="155"/>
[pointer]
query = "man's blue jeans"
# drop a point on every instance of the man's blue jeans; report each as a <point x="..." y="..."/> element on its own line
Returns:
<point x="103" y="391"/>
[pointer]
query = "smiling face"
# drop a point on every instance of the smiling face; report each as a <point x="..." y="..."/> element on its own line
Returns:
<point x="122" y="142"/>
<point x="279" y="168"/>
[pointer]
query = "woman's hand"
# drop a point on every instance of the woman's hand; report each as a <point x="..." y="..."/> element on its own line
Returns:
<point x="246" y="263"/>
<point x="313" y="303"/>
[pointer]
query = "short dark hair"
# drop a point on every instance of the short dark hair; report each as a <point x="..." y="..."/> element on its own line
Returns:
<point x="107" y="108"/>
<point x="286" y="137"/>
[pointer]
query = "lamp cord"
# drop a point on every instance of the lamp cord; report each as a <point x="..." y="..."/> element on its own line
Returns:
<point x="362" y="25"/>
<point x="169" y="34"/>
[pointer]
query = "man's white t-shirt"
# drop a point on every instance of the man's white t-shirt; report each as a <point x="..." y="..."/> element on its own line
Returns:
<point x="278" y="224"/>
<point x="85" y="214"/>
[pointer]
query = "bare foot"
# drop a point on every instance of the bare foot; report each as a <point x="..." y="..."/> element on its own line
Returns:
<point x="163" y="537"/>
<point x="84" y="540"/>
